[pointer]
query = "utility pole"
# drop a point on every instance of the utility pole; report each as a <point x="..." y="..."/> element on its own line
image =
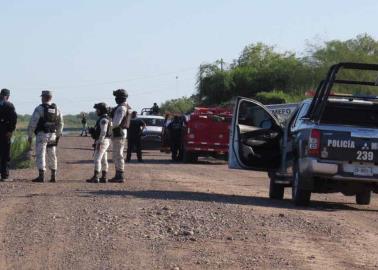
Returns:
<point x="177" y="86"/>
<point x="221" y="63"/>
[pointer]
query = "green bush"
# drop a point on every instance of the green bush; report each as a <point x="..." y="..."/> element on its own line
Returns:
<point x="274" y="97"/>
<point x="20" y="147"/>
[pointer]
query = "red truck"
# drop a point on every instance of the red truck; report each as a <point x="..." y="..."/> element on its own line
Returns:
<point x="207" y="133"/>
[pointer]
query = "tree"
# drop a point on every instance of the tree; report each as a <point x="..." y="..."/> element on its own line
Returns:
<point x="179" y="105"/>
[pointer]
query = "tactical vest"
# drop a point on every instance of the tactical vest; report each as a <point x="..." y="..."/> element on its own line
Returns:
<point x="97" y="128"/>
<point x="49" y="122"/>
<point x="124" y="121"/>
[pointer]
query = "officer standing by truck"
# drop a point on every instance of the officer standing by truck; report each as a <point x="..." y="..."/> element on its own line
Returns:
<point x="134" y="134"/>
<point x="155" y="110"/>
<point x="47" y="124"/>
<point x="8" y="121"/>
<point x="175" y="129"/>
<point x="121" y="121"/>
<point x="101" y="133"/>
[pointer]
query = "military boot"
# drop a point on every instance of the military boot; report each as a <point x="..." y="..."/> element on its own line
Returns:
<point x="5" y="178"/>
<point x="95" y="178"/>
<point x="118" y="178"/>
<point x="40" y="178"/>
<point x="53" y="176"/>
<point x="103" y="178"/>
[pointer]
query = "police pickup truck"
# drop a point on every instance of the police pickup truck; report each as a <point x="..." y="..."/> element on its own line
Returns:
<point x="328" y="144"/>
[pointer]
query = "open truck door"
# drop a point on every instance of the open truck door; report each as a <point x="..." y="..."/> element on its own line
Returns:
<point x="255" y="139"/>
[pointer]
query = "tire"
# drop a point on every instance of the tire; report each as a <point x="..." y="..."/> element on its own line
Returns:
<point x="276" y="191"/>
<point x="187" y="157"/>
<point x="363" y="198"/>
<point x="300" y="197"/>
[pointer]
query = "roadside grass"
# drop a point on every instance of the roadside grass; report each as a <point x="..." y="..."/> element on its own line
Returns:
<point x="20" y="151"/>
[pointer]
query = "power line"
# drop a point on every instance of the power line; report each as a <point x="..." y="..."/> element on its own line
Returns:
<point x="115" y="81"/>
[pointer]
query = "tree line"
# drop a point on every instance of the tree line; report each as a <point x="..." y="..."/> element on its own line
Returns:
<point x="264" y="73"/>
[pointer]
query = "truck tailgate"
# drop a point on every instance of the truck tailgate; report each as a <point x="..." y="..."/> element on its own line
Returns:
<point x="349" y="146"/>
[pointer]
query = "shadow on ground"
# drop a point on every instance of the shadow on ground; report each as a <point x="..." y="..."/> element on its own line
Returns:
<point x="222" y="198"/>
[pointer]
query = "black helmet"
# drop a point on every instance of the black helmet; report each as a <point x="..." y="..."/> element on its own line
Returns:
<point x="5" y="92"/>
<point x="122" y="93"/>
<point x="102" y="107"/>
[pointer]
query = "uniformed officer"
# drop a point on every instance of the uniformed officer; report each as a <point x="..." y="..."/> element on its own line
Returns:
<point x="101" y="133"/>
<point x="121" y="121"/>
<point x="155" y="109"/>
<point x="47" y="124"/>
<point x="8" y="121"/>
<point x="84" y="125"/>
<point x="134" y="134"/>
<point x="175" y="129"/>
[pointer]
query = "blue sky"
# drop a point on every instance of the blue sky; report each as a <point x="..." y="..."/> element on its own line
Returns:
<point x="83" y="50"/>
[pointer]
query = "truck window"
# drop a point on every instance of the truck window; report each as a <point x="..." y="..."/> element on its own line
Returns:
<point x="153" y="121"/>
<point x="354" y="113"/>
<point x="251" y="114"/>
<point x="301" y="113"/>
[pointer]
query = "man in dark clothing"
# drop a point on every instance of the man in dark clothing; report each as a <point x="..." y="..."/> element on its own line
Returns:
<point x="134" y="133"/>
<point x="175" y="129"/>
<point x="155" y="109"/>
<point x="8" y="121"/>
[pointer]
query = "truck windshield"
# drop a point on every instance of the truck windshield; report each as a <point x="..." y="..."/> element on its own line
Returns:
<point x="156" y="122"/>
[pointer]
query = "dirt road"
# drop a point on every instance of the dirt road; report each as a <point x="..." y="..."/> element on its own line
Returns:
<point x="175" y="216"/>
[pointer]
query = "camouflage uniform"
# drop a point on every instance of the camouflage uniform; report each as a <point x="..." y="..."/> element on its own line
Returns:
<point x="121" y="121"/>
<point x="102" y="145"/>
<point x="122" y="111"/>
<point x="45" y="140"/>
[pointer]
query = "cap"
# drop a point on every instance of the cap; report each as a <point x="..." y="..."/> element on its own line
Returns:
<point x="120" y="93"/>
<point x="5" y="92"/>
<point x="46" y="93"/>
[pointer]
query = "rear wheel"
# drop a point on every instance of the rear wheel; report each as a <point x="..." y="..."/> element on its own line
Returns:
<point x="301" y="197"/>
<point x="363" y="198"/>
<point x="276" y="191"/>
<point x="189" y="157"/>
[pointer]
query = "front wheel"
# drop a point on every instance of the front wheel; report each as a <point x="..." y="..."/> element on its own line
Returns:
<point x="300" y="196"/>
<point x="363" y="198"/>
<point x="276" y="191"/>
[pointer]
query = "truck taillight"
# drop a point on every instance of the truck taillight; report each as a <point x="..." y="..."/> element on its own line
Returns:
<point x="314" y="143"/>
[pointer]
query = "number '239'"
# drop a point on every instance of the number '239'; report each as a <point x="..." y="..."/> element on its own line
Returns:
<point x="365" y="155"/>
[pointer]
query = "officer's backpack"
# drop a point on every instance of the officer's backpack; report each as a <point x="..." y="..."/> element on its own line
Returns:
<point x="49" y="122"/>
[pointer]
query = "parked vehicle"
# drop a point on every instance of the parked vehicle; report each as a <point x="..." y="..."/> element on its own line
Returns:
<point x="206" y="133"/>
<point x="151" y="135"/>
<point x="329" y="144"/>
